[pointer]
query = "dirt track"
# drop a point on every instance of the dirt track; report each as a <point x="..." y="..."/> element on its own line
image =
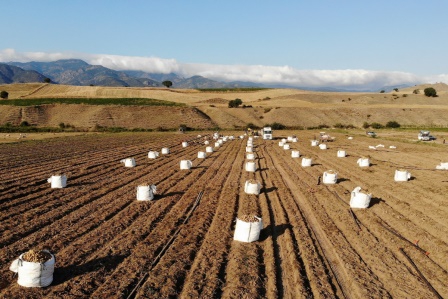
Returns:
<point x="108" y="245"/>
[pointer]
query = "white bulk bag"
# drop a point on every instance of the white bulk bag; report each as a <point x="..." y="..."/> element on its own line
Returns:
<point x="146" y="192"/>
<point x="294" y="139"/>
<point x="184" y="144"/>
<point x="250" y="156"/>
<point x="209" y="149"/>
<point x="224" y="139"/>
<point x="251" y="167"/>
<point x="289" y="138"/>
<point x="165" y="151"/>
<point x="402" y="175"/>
<point x="251" y="187"/>
<point x="206" y="142"/>
<point x="249" y="149"/>
<point x="185" y="164"/>
<point x="284" y="140"/>
<point x="128" y="162"/>
<point x="341" y="153"/>
<point x="295" y="154"/>
<point x="323" y="146"/>
<point x="286" y="146"/>
<point x="249" y="143"/>
<point x="281" y="143"/>
<point x="442" y="165"/>
<point x="58" y="181"/>
<point x="363" y="162"/>
<point x="241" y="136"/>
<point x="217" y="144"/>
<point x="220" y="141"/>
<point x="314" y="143"/>
<point x="153" y="154"/>
<point x="330" y="177"/>
<point x="247" y="231"/>
<point x="34" y="274"/>
<point x="201" y="155"/>
<point x="306" y="162"/>
<point x="359" y="200"/>
<point x="350" y="138"/>
<point x="250" y="139"/>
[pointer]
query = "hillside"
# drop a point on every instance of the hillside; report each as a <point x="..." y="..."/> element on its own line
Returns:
<point x="291" y="107"/>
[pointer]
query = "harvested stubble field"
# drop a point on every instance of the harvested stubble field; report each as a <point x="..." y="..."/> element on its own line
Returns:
<point x="108" y="245"/>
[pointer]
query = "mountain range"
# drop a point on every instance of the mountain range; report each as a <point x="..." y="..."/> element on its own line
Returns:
<point x="79" y="72"/>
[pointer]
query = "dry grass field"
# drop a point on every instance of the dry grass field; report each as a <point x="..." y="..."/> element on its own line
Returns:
<point x="291" y="107"/>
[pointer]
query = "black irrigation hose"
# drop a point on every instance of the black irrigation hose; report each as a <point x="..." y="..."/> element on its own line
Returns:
<point x="420" y="274"/>
<point x="165" y="248"/>
<point x="403" y="238"/>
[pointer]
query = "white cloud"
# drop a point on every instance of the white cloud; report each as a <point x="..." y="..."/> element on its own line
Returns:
<point x="285" y="75"/>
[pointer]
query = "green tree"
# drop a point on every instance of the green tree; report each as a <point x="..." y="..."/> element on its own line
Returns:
<point x="167" y="83"/>
<point x="382" y="91"/>
<point x="4" y="94"/>
<point x="430" y="92"/>
<point x="47" y="80"/>
<point x="396" y="89"/>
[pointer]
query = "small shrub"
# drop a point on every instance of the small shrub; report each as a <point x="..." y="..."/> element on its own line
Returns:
<point x="382" y="91"/>
<point x="392" y="124"/>
<point x="24" y="124"/>
<point x="212" y="106"/>
<point x="4" y="94"/>
<point x="266" y="110"/>
<point x="365" y="125"/>
<point x="339" y="126"/>
<point x="405" y="95"/>
<point x="396" y="89"/>
<point x="376" y="125"/>
<point x="277" y="126"/>
<point x="416" y="91"/>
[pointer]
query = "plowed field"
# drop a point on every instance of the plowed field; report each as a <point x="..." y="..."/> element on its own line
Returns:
<point x="109" y="245"/>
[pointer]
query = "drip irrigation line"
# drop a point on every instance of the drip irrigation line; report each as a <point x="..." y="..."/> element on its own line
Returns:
<point x="415" y="245"/>
<point x="355" y="219"/>
<point x="420" y="274"/>
<point x="165" y="248"/>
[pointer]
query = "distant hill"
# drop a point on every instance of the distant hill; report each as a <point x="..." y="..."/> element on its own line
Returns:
<point x="12" y="74"/>
<point x="78" y="72"/>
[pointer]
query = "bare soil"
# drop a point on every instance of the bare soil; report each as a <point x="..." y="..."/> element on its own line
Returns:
<point x="109" y="245"/>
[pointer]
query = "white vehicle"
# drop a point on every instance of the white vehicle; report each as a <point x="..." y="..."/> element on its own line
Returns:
<point x="425" y="136"/>
<point x="267" y="133"/>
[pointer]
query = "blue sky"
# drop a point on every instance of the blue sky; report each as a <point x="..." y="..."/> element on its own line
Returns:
<point x="320" y="43"/>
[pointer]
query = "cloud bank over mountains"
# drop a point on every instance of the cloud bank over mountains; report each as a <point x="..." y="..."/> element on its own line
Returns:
<point x="280" y="75"/>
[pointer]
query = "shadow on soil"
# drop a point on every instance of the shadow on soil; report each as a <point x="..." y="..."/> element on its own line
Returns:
<point x="342" y="180"/>
<point x="375" y="201"/>
<point x="269" y="190"/>
<point x="276" y="230"/>
<point x="105" y="264"/>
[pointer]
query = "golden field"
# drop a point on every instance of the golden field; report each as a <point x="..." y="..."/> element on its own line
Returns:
<point x="290" y="107"/>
